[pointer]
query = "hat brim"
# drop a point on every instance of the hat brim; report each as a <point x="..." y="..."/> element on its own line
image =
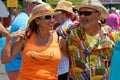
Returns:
<point x="69" y="11"/>
<point x="32" y="18"/>
<point x="101" y="9"/>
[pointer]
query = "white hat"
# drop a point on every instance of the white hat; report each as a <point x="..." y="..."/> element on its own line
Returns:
<point x="39" y="1"/>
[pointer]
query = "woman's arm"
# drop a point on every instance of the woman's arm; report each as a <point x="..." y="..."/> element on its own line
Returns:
<point x="3" y="30"/>
<point x="63" y="47"/>
<point x="10" y="50"/>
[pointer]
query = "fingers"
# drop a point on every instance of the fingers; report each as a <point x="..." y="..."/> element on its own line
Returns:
<point x="19" y="33"/>
<point x="22" y="34"/>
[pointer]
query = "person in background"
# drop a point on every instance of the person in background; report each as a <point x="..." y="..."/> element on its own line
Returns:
<point x="12" y="68"/>
<point x="75" y="18"/>
<point x="90" y="45"/>
<point x="119" y="23"/>
<point x="3" y="32"/>
<point x="118" y="13"/>
<point x="113" y="19"/>
<point x="15" y="12"/>
<point x="65" y="25"/>
<point x="41" y="53"/>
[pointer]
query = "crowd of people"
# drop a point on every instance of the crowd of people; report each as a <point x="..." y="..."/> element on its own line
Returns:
<point x="68" y="42"/>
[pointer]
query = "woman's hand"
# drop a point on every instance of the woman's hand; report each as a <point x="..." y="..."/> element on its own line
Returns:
<point x="19" y="33"/>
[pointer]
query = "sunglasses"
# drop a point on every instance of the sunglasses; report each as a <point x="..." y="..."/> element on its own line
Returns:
<point x="86" y="13"/>
<point x="47" y="17"/>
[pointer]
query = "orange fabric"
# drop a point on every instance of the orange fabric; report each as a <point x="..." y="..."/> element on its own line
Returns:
<point x="40" y="62"/>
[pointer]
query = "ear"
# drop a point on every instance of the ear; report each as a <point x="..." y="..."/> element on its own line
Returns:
<point x="99" y="15"/>
<point x="37" y="21"/>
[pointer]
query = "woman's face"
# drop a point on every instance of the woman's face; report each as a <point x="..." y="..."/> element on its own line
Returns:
<point x="46" y="21"/>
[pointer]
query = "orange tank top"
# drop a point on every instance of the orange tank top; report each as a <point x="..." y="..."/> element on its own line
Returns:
<point x="40" y="62"/>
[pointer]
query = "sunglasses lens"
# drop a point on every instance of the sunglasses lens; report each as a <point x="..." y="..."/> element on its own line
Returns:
<point x="85" y="13"/>
<point x="48" y="16"/>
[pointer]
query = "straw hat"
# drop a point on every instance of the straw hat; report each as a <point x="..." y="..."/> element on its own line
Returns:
<point x="65" y="6"/>
<point x="94" y="4"/>
<point x="40" y="10"/>
<point x="38" y="1"/>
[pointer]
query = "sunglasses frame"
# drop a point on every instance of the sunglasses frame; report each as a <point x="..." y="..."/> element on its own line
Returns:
<point x="86" y="13"/>
<point x="48" y="17"/>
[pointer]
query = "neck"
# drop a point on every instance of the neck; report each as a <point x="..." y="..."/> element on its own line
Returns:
<point x="27" y="10"/>
<point x="43" y="38"/>
<point x="93" y="30"/>
<point x="43" y="34"/>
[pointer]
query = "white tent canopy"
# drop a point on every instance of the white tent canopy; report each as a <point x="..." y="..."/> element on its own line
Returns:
<point x="3" y="10"/>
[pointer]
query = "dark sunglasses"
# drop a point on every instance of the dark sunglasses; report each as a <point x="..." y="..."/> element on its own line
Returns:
<point x="47" y="17"/>
<point x="86" y="13"/>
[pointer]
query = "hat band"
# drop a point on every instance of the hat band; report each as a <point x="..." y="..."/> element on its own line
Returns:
<point x="43" y="11"/>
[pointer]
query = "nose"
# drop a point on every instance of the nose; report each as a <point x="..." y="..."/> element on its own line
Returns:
<point x="82" y="15"/>
<point x="52" y="19"/>
<point x="55" y="16"/>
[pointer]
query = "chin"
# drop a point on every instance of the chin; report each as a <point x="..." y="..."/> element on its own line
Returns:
<point x="85" y="26"/>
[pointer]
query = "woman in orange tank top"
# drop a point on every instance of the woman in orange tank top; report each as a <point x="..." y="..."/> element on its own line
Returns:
<point x="41" y="53"/>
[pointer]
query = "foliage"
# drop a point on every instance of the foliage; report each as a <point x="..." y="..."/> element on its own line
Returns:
<point x="77" y="2"/>
<point x="54" y="2"/>
<point x="113" y="5"/>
